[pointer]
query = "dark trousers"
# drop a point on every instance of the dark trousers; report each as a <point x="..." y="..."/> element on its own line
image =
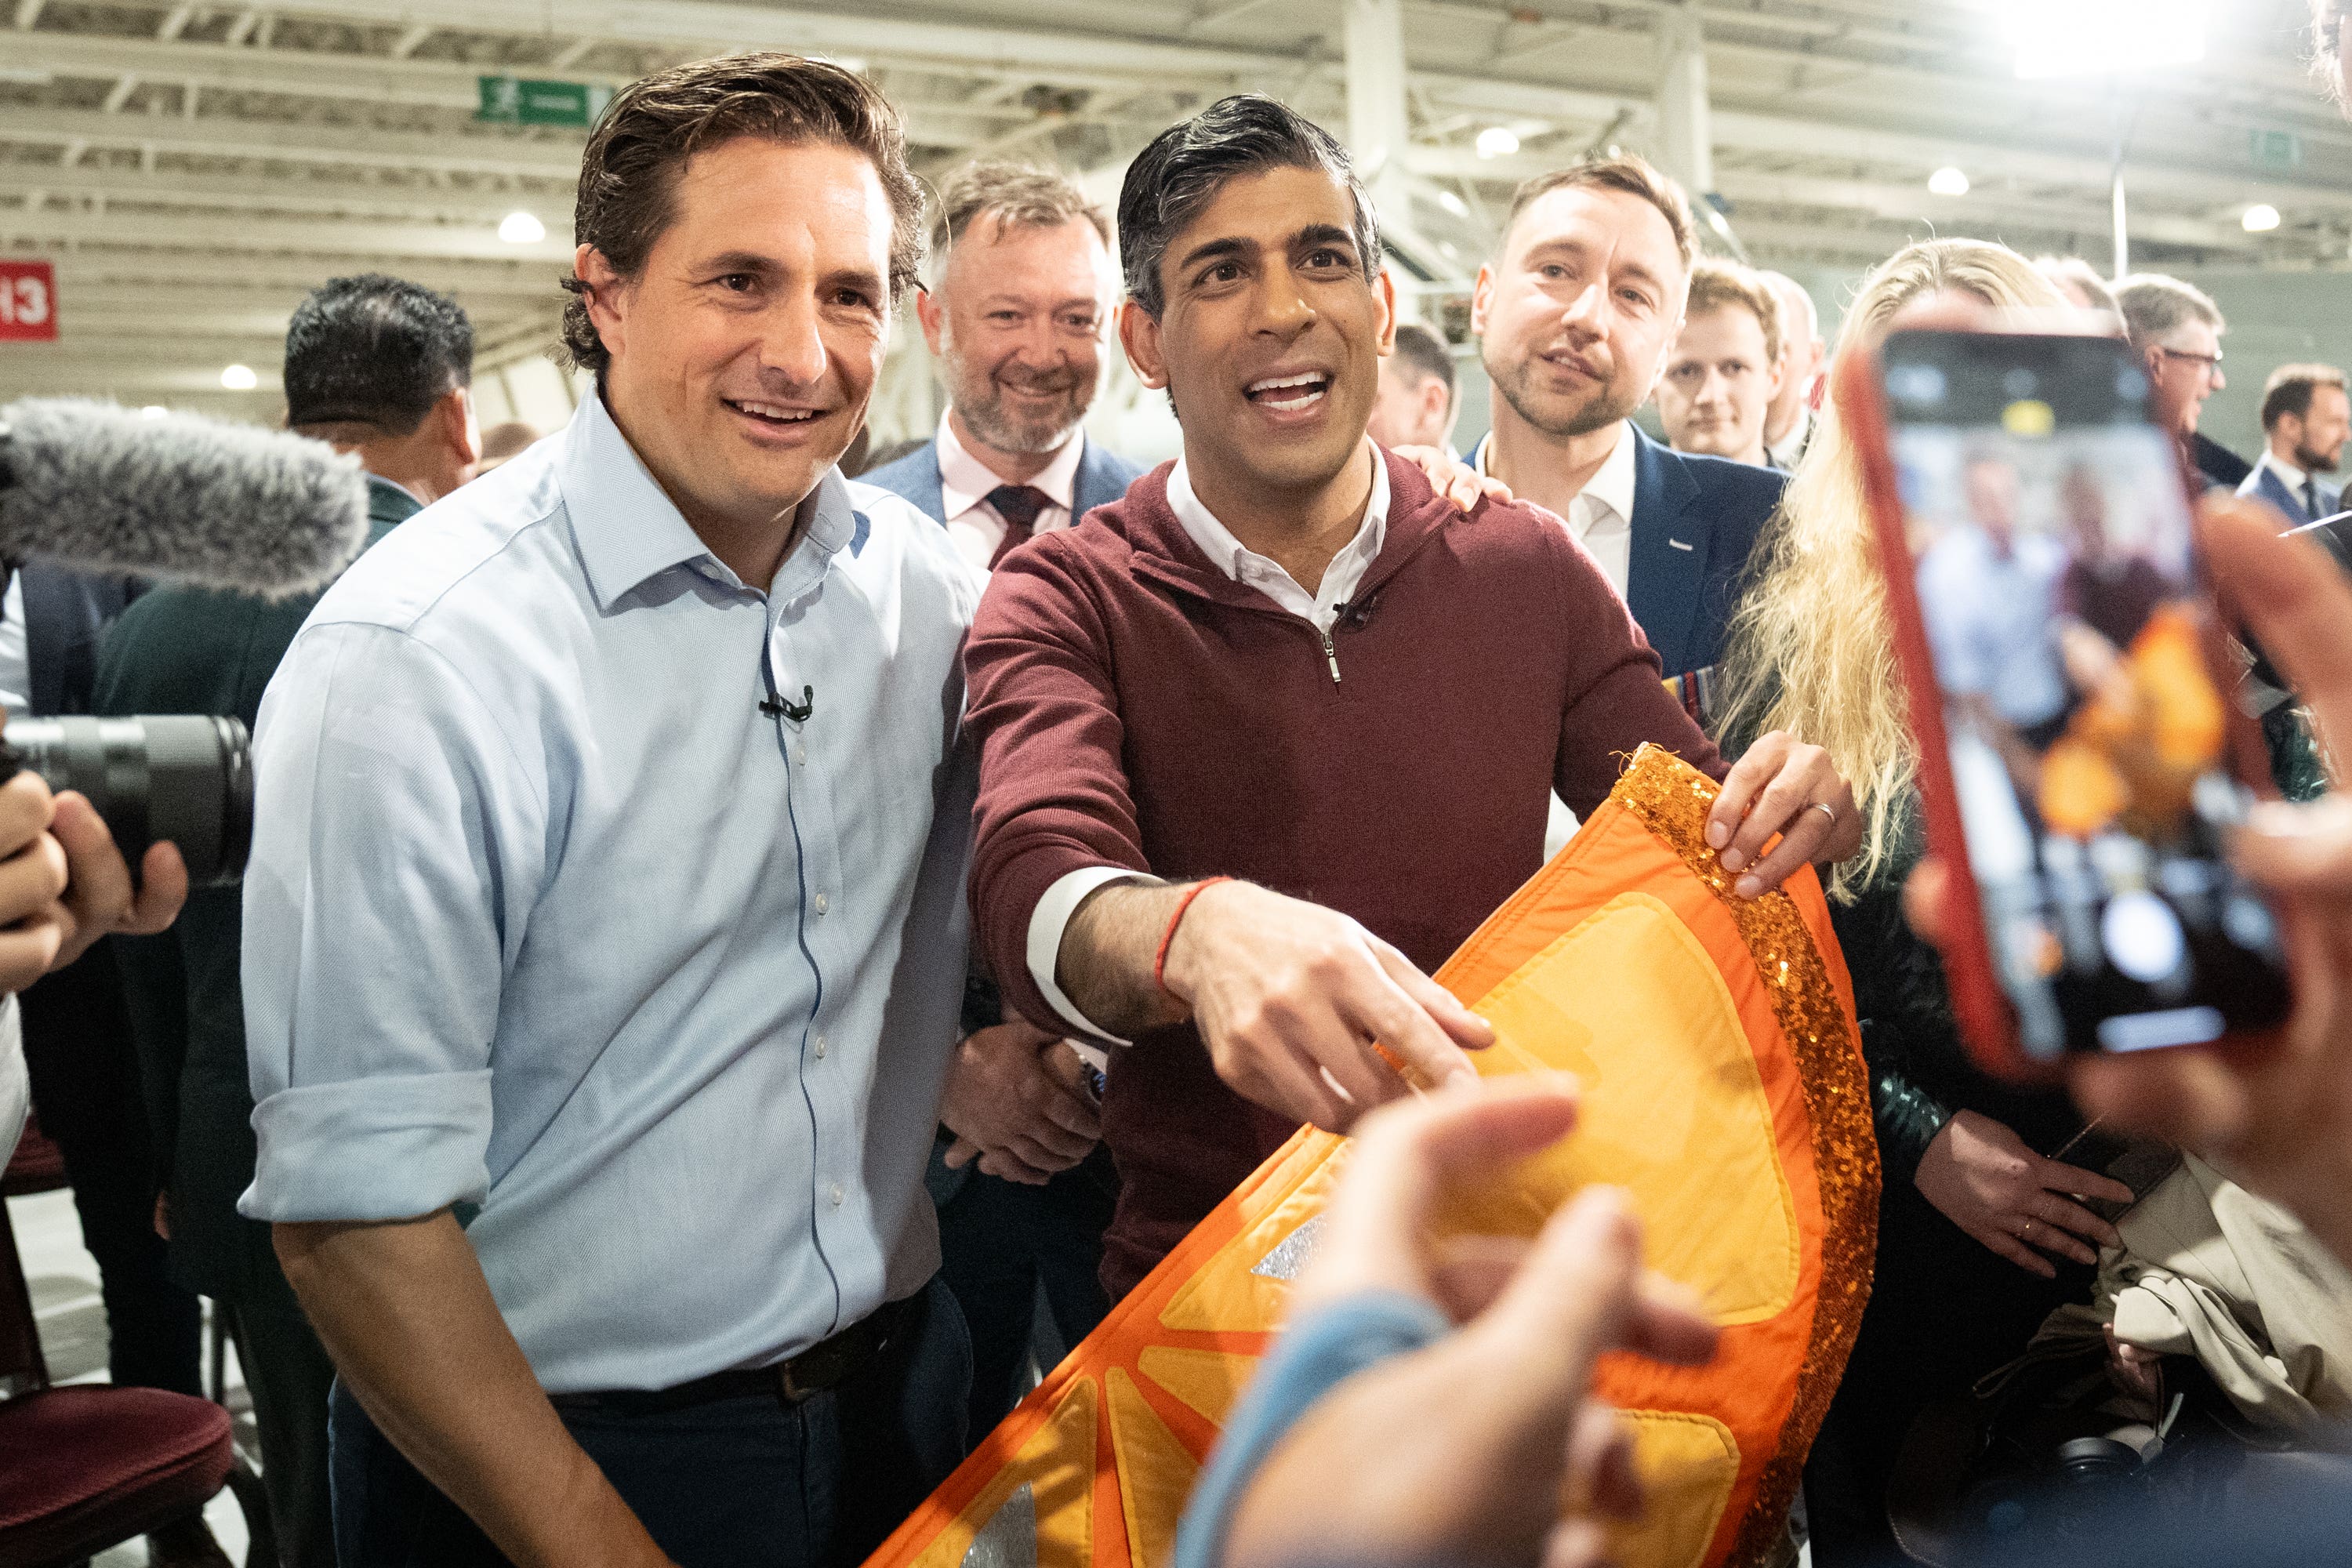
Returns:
<point x="85" y="1079"/>
<point x="1004" y="1245"/>
<point x="735" y="1483"/>
<point x="288" y="1375"/>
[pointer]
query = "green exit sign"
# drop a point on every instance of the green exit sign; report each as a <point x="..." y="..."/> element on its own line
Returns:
<point x="519" y="100"/>
<point x="2277" y="149"/>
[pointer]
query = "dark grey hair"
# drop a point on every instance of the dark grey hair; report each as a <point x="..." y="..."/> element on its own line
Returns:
<point x="1187" y="165"/>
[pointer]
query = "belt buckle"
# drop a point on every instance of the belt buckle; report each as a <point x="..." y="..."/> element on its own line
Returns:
<point x="812" y="1371"/>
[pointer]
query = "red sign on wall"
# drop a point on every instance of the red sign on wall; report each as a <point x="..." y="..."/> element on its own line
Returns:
<point x="28" y="301"/>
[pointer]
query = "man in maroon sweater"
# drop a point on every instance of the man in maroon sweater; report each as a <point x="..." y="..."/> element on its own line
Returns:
<point x="1279" y="662"/>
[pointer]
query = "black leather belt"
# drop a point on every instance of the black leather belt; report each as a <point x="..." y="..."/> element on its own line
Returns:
<point x="827" y="1364"/>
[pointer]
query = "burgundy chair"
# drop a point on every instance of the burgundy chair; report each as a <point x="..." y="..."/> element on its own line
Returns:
<point x="85" y="1467"/>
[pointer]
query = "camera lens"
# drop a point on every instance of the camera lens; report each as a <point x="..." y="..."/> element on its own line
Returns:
<point x="184" y="779"/>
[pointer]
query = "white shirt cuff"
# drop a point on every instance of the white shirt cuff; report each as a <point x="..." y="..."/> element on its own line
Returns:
<point x="1050" y="919"/>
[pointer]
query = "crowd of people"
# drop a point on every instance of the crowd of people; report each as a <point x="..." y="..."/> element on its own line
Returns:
<point x="742" y="963"/>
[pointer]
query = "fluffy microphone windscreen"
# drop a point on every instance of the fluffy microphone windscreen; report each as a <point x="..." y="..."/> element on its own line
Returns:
<point x="92" y="485"/>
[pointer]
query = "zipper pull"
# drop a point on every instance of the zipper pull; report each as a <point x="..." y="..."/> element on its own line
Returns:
<point x="1330" y="655"/>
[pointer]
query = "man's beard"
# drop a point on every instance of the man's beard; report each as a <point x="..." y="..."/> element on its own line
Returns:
<point x="2311" y="462"/>
<point x="980" y="401"/>
<point x="1602" y="407"/>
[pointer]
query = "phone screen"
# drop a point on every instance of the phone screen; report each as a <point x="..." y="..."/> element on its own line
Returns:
<point x="2087" y="720"/>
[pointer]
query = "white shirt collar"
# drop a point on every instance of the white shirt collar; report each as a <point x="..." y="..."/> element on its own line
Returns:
<point x="2287" y="472"/>
<point x="1612" y="485"/>
<point x="965" y="480"/>
<point x="1785" y="452"/>
<point x="1241" y="565"/>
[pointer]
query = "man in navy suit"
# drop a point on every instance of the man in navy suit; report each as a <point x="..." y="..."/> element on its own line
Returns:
<point x="2307" y="418"/>
<point x="1576" y="311"/>
<point x="1016" y="316"/>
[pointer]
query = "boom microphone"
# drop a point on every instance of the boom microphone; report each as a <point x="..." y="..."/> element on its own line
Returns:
<point x="93" y="485"/>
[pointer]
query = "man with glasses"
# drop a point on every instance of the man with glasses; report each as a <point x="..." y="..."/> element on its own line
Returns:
<point x="2176" y="329"/>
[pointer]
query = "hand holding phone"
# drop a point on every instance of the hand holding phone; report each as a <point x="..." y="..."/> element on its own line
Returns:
<point x="2080" y="758"/>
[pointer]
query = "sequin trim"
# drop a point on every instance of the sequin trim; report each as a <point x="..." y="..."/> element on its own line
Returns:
<point x="1672" y="800"/>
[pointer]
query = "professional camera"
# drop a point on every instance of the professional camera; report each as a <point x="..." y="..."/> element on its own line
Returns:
<point x="182" y="778"/>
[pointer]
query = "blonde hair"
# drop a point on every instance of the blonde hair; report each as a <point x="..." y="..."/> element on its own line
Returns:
<point x="1811" y="648"/>
<point x="1717" y="284"/>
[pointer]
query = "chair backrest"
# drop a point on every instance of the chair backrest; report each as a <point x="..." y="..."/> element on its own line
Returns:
<point x="22" y="1368"/>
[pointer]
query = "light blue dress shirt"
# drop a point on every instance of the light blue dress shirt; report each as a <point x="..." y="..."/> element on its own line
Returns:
<point x="545" y="916"/>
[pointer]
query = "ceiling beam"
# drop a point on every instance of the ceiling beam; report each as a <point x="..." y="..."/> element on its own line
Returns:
<point x="230" y="274"/>
<point x="550" y="157"/>
<point x="326" y="198"/>
<point x="274" y="237"/>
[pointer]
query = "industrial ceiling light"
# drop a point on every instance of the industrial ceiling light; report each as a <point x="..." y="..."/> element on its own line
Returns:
<point x="1453" y="203"/>
<point x="2101" y="37"/>
<point x="2260" y="219"/>
<point x="1498" y="141"/>
<point x="239" y="378"/>
<point x="1948" y="181"/>
<point x="519" y="227"/>
<point x="154" y="411"/>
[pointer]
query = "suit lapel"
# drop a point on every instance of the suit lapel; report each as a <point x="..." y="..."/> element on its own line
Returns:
<point x="1667" y="574"/>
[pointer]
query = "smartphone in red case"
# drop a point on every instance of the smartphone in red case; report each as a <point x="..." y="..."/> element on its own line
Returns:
<point x="2082" y="754"/>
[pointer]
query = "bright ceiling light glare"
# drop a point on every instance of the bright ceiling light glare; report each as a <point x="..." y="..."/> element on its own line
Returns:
<point x="522" y="228"/>
<point x="1948" y="181"/>
<point x="1453" y="203"/>
<point x="2260" y="219"/>
<point x="1498" y="141"/>
<point x="239" y="378"/>
<point x="2102" y="37"/>
<point x="154" y="411"/>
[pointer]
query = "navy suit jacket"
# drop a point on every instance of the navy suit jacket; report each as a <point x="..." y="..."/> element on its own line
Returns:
<point x="1696" y="522"/>
<point x="2265" y="483"/>
<point x="1103" y="477"/>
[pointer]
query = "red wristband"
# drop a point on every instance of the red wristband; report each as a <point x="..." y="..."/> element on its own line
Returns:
<point x="1160" y="960"/>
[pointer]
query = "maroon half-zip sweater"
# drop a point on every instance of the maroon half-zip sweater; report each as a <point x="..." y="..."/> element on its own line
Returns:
<point x="1136" y="707"/>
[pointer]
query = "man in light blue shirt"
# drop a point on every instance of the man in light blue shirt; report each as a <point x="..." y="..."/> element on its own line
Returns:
<point x="603" y="932"/>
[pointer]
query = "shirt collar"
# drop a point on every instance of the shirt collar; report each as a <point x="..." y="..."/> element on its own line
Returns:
<point x="1785" y="454"/>
<point x="1226" y="553"/>
<point x="1612" y="486"/>
<point x="965" y="480"/>
<point x="629" y="530"/>
<point x="2285" y="470"/>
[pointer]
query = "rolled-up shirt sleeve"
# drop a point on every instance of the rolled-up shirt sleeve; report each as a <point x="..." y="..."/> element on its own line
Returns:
<point x="398" y="838"/>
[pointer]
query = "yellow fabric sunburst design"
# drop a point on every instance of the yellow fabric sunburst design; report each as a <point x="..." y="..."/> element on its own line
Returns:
<point x="1722" y="1088"/>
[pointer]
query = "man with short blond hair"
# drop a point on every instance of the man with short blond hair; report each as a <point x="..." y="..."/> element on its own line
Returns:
<point x="2307" y="418"/>
<point x="1575" y="311"/>
<point x="1017" y="315"/>
<point x="1724" y="371"/>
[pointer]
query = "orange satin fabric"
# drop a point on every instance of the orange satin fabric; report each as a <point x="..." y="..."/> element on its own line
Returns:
<point x="1724" y="1088"/>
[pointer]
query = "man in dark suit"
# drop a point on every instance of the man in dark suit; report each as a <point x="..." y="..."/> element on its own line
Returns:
<point x="382" y="368"/>
<point x="2307" y="418"/>
<point x="1576" y="311"/>
<point x="2176" y="329"/>
<point x="1016" y="315"/>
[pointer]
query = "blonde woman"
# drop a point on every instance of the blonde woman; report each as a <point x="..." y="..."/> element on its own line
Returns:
<point x="1980" y="1233"/>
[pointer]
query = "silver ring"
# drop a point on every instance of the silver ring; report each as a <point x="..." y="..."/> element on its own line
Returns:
<point x="1824" y="808"/>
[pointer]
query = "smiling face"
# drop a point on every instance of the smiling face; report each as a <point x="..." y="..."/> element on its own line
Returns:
<point x="1577" y="309"/>
<point x="1271" y="337"/>
<point x="744" y="350"/>
<point x="1719" y="385"/>
<point x="1018" y="323"/>
<point x="2315" y="438"/>
<point x="2184" y="370"/>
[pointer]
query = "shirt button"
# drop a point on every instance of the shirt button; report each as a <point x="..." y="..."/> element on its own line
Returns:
<point x="820" y="1046"/>
<point x="821" y="905"/>
<point x="799" y="754"/>
<point x="836" y="1195"/>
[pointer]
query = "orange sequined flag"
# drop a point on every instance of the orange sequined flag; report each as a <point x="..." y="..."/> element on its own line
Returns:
<point x="1722" y="1088"/>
